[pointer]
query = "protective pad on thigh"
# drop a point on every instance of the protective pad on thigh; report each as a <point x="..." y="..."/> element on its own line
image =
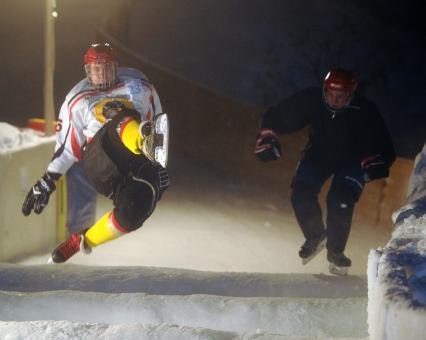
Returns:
<point x="134" y="204"/>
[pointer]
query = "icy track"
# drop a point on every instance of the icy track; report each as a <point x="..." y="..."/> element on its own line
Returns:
<point x="243" y="278"/>
<point x="107" y="302"/>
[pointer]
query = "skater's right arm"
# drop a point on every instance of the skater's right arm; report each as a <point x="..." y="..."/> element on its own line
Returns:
<point x="69" y="138"/>
<point x="289" y="115"/>
<point x="73" y="118"/>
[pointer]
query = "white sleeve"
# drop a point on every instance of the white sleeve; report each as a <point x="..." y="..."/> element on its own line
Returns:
<point x="69" y="139"/>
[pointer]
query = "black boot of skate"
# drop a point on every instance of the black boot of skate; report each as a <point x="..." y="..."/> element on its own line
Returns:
<point x="311" y="248"/>
<point x="339" y="263"/>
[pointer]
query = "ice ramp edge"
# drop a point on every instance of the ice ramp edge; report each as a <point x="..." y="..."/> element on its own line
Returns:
<point x="174" y="281"/>
<point x="279" y="315"/>
<point x="37" y="330"/>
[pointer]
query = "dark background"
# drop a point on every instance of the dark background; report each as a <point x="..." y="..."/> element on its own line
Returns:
<point x="254" y="51"/>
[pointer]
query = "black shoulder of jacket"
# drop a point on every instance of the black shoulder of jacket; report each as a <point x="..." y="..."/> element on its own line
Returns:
<point x="363" y="104"/>
<point x="293" y="112"/>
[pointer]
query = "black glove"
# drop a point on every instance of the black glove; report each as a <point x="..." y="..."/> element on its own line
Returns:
<point x="267" y="147"/>
<point x="375" y="167"/>
<point x="38" y="197"/>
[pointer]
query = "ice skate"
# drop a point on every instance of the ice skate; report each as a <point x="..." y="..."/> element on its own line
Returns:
<point x="68" y="248"/>
<point x="339" y="263"/>
<point x="155" y="145"/>
<point x="311" y="248"/>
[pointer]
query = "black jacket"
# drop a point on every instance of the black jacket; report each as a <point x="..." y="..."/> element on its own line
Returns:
<point x="335" y="139"/>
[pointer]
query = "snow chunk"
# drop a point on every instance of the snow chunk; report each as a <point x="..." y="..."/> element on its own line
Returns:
<point x="13" y="139"/>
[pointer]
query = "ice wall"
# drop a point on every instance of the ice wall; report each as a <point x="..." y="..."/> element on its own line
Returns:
<point x="397" y="272"/>
<point x="24" y="156"/>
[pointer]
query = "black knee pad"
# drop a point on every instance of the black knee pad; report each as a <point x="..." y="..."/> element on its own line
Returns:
<point x="134" y="204"/>
<point x="342" y="196"/>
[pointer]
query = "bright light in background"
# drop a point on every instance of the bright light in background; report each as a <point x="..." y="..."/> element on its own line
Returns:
<point x="54" y="11"/>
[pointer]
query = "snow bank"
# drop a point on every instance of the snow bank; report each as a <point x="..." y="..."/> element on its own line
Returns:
<point x="397" y="272"/>
<point x="172" y="281"/>
<point x="181" y="304"/>
<point x="285" y="316"/>
<point x="13" y="139"/>
<point x="24" y="155"/>
<point x="53" y="330"/>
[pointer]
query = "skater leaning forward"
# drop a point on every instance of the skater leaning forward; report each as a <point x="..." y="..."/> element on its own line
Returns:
<point x="348" y="140"/>
<point x="107" y="126"/>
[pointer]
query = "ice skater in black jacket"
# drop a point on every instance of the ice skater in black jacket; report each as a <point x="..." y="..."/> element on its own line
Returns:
<point x="348" y="140"/>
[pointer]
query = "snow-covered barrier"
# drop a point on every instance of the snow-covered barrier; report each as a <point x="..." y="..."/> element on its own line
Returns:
<point x="23" y="159"/>
<point x="397" y="272"/>
<point x="397" y="284"/>
<point x="174" y="303"/>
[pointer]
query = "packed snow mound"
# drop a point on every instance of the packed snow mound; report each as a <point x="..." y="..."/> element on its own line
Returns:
<point x="146" y="303"/>
<point x="174" y="281"/>
<point x="397" y="283"/>
<point x="13" y="138"/>
<point x="192" y="300"/>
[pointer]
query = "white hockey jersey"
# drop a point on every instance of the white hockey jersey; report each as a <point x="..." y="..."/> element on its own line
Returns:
<point x="81" y="113"/>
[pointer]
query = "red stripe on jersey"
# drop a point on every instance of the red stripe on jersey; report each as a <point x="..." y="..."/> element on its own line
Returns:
<point x="151" y="99"/>
<point x="76" y="148"/>
<point x="117" y="225"/>
<point x="117" y="86"/>
<point x="84" y="94"/>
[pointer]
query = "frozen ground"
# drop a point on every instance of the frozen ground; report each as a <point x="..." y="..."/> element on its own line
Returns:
<point x="215" y="261"/>
<point x="205" y="222"/>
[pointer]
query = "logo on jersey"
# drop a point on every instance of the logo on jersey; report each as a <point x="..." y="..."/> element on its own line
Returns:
<point x="106" y="108"/>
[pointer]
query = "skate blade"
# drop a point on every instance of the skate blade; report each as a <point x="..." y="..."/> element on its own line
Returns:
<point x="342" y="271"/>
<point x="319" y="248"/>
<point x="161" y="150"/>
<point x="50" y="261"/>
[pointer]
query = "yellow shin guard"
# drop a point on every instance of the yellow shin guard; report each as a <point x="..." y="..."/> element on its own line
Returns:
<point x="102" y="231"/>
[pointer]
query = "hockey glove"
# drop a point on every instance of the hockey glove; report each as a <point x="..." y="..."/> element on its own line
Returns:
<point x="267" y="147"/>
<point x="38" y="197"/>
<point x="375" y="167"/>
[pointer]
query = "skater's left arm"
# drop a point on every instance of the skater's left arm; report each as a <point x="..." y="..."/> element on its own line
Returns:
<point x="379" y="152"/>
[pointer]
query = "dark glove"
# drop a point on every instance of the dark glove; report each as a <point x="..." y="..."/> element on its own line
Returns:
<point x="38" y="197"/>
<point x="375" y="167"/>
<point x="267" y="147"/>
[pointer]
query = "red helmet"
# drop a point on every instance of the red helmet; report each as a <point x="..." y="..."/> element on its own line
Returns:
<point x="100" y="64"/>
<point x="340" y="80"/>
<point x="100" y="54"/>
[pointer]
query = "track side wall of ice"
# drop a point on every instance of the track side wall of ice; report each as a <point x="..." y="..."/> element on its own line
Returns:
<point x="397" y="272"/>
<point x="23" y="236"/>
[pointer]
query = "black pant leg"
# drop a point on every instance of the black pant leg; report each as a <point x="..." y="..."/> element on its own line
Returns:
<point x="344" y="192"/>
<point x="306" y="185"/>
